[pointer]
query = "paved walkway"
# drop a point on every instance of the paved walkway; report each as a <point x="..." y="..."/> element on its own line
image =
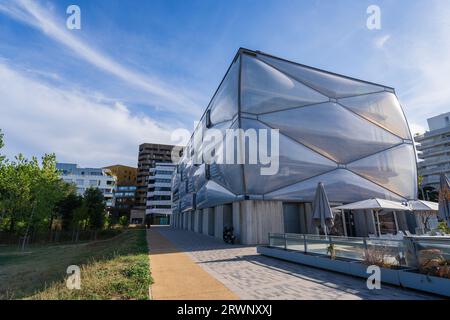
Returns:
<point x="249" y="275"/>
<point x="177" y="277"/>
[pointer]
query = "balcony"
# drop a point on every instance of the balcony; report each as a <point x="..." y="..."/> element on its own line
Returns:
<point x="435" y="151"/>
<point x="163" y="176"/>
<point x="159" y="203"/>
<point x="431" y="144"/>
<point x="158" y="211"/>
<point x="433" y="161"/>
<point x="162" y="184"/>
<point x="435" y="171"/>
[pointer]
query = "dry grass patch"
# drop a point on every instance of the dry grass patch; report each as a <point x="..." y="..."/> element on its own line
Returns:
<point x="111" y="269"/>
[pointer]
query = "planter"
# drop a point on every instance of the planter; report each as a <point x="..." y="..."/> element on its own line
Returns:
<point x="406" y="278"/>
<point x="333" y="265"/>
<point x="288" y="255"/>
<point x="419" y="281"/>
<point x="306" y="259"/>
<point x="390" y="276"/>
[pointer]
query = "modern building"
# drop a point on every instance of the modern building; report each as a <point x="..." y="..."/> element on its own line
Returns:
<point x="85" y="178"/>
<point x="434" y="150"/>
<point x="350" y="134"/>
<point x="159" y="195"/>
<point x="149" y="155"/>
<point x="125" y="191"/>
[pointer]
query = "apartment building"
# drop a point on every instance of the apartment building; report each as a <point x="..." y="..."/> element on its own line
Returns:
<point x="434" y="150"/>
<point x="124" y="192"/>
<point x="149" y="155"/>
<point x="159" y="195"/>
<point x="84" y="178"/>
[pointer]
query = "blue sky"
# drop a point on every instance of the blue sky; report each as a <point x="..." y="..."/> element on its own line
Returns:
<point x="137" y="70"/>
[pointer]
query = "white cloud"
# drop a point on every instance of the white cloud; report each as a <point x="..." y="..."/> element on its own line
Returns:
<point x="38" y="118"/>
<point x="381" y="41"/>
<point x="31" y="13"/>
<point x="416" y="128"/>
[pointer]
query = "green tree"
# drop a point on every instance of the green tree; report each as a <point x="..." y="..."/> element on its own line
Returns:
<point x="16" y="183"/>
<point x="1" y="146"/>
<point x="46" y="190"/>
<point x="66" y="210"/>
<point x="123" y="220"/>
<point x="95" y="208"/>
<point x="33" y="196"/>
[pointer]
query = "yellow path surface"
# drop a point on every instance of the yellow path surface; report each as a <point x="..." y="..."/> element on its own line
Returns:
<point x="177" y="277"/>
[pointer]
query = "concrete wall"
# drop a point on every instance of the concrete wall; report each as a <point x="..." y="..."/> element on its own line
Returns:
<point x="200" y="221"/>
<point x="196" y="221"/>
<point x="236" y="220"/>
<point x="207" y="218"/>
<point x="192" y="221"/>
<point x="218" y="221"/>
<point x="252" y="220"/>
<point x="257" y="218"/>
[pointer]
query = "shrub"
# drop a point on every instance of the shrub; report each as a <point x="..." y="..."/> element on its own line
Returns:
<point x="432" y="262"/>
<point x="378" y="255"/>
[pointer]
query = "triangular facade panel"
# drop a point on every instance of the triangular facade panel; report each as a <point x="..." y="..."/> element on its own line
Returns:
<point x="390" y="168"/>
<point x="331" y="85"/>
<point x="340" y="185"/>
<point x="224" y="105"/>
<point x="332" y="131"/>
<point x="383" y="109"/>
<point x="212" y="194"/>
<point x="265" y="89"/>
<point x="296" y="162"/>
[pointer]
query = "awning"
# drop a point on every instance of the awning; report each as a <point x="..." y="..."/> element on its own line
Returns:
<point x="374" y="204"/>
<point x="421" y="205"/>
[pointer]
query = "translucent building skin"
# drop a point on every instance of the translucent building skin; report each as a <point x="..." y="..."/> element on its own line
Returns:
<point x="349" y="134"/>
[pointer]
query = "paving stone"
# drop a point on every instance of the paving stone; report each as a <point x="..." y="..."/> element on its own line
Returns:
<point x="253" y="276"/>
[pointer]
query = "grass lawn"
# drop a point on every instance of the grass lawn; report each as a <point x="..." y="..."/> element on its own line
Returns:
<point x="117" y="268"/>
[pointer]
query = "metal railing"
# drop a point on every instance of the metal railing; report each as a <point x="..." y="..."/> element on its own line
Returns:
<point x="406" y="252"/>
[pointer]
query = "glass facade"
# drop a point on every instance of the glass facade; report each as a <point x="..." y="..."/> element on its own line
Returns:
<point x="351" y="135"/>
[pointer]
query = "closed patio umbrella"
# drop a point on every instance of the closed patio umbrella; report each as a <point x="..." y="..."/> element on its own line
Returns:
<point x="322" y="214"/>
<point x="444" y="199"/>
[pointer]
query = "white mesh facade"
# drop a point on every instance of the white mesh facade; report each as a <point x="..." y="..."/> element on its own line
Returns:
<point x="349" y="134"/>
